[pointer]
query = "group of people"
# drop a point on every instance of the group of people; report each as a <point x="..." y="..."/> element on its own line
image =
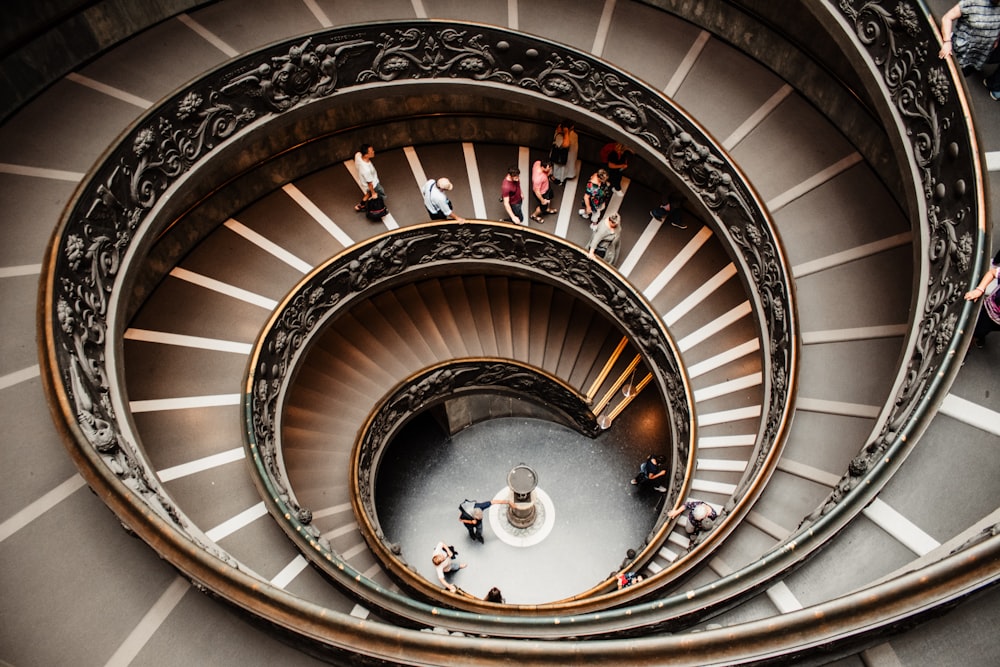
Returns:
<point x="652" y="473"/>
<point x="546" y="174"/>
<point x="445" y="557"/>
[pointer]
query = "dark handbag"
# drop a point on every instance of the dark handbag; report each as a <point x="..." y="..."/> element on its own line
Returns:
<point x="602" y="248"/>
<point x="375" y="208"/>
<point x="559" y="154"/>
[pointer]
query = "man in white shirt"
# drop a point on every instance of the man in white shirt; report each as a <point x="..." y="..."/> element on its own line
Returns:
<point x="367" y="175"/>
<point x="436" y="201"/>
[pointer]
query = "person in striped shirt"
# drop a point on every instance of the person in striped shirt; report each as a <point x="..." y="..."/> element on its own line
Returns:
<point x="970" y="30"/>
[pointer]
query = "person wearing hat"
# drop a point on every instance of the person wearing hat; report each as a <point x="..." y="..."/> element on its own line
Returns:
<point x="436" y="201"/>
<point x="699" y="515"/>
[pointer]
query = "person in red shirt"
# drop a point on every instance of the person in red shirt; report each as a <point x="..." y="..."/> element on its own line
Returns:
<point x="510" y="194"/>
<point x="615" y="157"/>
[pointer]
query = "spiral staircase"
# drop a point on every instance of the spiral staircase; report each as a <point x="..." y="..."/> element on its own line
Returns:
<point x="828" y="552"/>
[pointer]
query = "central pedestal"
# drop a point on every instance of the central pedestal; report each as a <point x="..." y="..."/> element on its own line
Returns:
<point x="522" y="481"/>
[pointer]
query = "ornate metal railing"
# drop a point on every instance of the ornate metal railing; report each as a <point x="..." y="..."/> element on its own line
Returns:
<point x="406" y="255"/>
<point x="922" y="97"/>
<point x="116" y="212"/>
<point x="922" y="100"/>
<point x="450" y="380"/>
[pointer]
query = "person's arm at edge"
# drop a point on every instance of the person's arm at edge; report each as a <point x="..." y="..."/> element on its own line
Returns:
<point x="980" y="289"/>
<point x="947" y="23"/>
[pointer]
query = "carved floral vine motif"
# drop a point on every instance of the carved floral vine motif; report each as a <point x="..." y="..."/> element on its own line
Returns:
<point x="174" y="138"/>
<point x="422" y="52"/>
<point x="304" y="72"/>
<point x="920" y="88"/>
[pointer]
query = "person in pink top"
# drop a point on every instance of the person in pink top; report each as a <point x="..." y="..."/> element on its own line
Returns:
<point x="541" y="173"/>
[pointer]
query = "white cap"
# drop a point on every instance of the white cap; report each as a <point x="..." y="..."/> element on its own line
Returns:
<point x="444" y="184"/>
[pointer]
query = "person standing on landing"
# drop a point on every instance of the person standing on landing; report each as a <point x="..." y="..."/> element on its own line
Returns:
<point x="474" y="521"/>
<point x="444" y="561"/>
<point x="652" y="472"/>
<point x="494" y="595"/>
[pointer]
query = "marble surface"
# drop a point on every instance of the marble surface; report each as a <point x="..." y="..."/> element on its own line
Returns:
<point x="589" y="514"/>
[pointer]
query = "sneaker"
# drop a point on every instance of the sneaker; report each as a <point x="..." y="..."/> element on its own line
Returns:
<point x="679" y="225"/>
<point x="661" y="489"/>
<point x="582" y="213"/>
<point x="634" y="482"/>
<point x="995" y="94"/>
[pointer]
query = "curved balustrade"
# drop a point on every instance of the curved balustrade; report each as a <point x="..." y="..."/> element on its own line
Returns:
<point x="450" y="380"/>
<point x="406" y="255"/>
<point x="114" y="216"/>
<point x="120" y="208"/>
<point x="920" y="95"/>
<point x="432" y="387"/>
